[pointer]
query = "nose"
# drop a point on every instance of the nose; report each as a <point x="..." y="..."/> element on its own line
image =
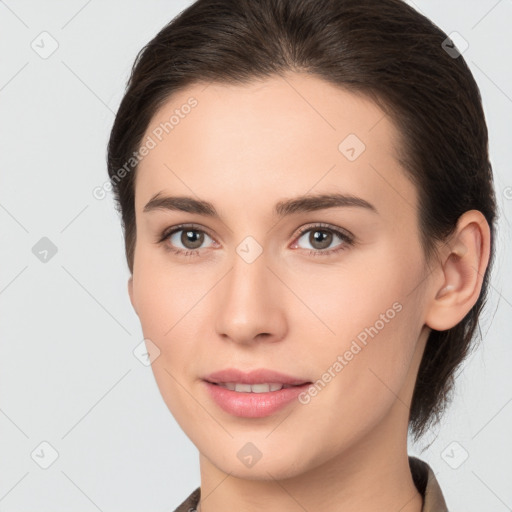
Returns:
<point x="250" y="303"/>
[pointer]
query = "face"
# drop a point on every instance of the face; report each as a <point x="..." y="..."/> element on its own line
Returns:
<point x="330" y="293"/>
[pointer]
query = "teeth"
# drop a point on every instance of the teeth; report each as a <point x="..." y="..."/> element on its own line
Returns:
<point x="253" y="388"/>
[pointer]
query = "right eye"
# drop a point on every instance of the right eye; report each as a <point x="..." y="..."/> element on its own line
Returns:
<point x="189" y="236"/>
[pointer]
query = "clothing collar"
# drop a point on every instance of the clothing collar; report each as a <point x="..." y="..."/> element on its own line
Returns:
<point x="427" y="485"/>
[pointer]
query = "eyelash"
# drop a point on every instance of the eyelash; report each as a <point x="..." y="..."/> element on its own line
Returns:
<point x="348" y="240"/>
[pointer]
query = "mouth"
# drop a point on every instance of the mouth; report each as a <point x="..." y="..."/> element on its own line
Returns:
<point x="240" y="387"/>
<point x="261" y="380"/>
<point x="257" y="394"/>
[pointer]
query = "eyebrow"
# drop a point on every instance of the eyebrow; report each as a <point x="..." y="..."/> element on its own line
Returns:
<point x="306" y="203"/>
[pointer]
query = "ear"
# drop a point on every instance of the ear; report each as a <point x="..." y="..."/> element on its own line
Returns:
<point x="130" y="293"/>
<point x="463" y="266"/>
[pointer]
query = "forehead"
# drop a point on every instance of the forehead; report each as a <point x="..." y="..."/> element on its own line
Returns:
<point x="280" y="137"/>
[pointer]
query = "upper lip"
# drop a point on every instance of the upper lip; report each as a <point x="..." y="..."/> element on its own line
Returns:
<point x="259" y="376"/>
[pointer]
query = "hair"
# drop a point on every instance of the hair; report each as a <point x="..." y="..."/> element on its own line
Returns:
<point x="382" y="49"/>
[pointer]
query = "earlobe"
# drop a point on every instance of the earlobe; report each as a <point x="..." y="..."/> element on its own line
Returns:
<point x="463" y="267"/>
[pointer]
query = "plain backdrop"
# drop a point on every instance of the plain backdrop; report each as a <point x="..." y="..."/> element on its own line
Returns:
<point x="73" y="396"/>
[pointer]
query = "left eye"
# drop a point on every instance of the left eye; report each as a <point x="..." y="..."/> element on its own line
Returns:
<point x="321" y="238"/>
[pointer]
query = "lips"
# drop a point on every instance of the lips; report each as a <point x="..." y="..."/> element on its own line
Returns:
<point x="253" y="394"/>
<point x="259" y="376"/>
<point x="252" y="404"/>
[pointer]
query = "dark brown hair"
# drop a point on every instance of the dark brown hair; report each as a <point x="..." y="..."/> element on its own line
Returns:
<point x="383" y="49"/>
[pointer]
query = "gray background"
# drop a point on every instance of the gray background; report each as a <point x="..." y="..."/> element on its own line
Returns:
<point x="68" y="375"/>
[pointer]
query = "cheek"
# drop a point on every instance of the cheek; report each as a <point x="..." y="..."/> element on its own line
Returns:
<point x="351" y="299"/>
<point x="163" y="296"/>
<point x="166" y="315"/>
<point x="360" y="377"/>
<point x="375" y="322"/>
<point x="175" y="312"/>
<point x="164" y="310"/>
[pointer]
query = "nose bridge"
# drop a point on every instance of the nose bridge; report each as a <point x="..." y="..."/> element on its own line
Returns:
<point x="249" y="303"/>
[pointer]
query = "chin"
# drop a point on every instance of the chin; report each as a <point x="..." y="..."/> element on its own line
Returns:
<point x="257" y="460"/>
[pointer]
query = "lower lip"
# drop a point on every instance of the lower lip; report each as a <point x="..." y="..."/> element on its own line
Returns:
<point x="253" y="405"/>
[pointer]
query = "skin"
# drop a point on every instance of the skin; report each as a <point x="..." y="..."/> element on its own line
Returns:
<point x="244" y="148"/>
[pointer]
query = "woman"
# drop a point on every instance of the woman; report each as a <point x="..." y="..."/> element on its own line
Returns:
<point x="308" y="211"/>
